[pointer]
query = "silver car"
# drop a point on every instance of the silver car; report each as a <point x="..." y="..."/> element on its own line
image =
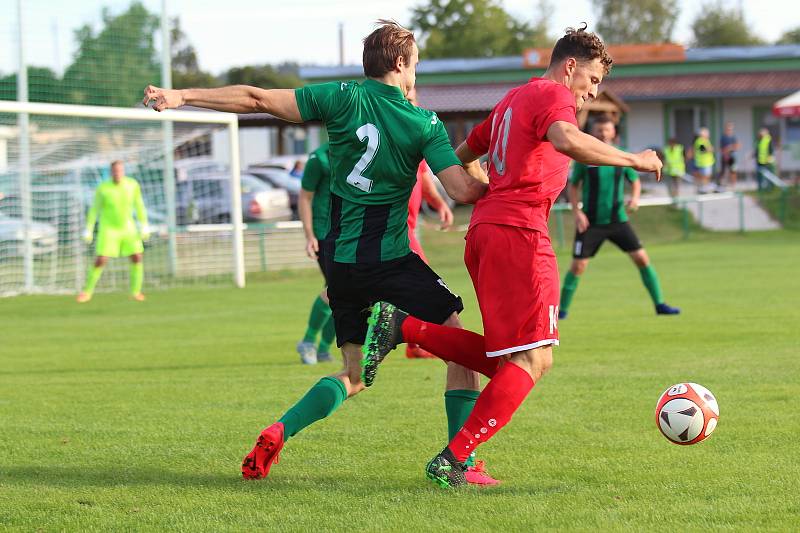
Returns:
<point x="206" y="200"/>
<point x="44" y="237"/>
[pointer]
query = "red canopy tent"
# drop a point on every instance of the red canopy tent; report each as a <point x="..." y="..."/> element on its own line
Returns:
<point x="787" y="107"/>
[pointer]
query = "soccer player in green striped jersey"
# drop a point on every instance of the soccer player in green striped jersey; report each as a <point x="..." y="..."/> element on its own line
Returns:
<point x="377" y="140"/>
<point x="115" y="201"/>
<point x="603" y="217"/>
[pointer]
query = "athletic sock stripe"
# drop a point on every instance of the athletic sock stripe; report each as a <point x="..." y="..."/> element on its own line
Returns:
<point x="376" y="220"/>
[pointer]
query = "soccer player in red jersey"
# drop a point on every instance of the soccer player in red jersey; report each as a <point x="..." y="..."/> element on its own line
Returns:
<point x="530" y="137"/>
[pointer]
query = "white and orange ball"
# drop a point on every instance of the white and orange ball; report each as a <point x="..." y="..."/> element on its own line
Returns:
<point x="687" y="413"/>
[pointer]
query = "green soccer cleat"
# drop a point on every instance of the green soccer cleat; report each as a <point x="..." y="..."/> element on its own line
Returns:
<point x="446" y="471"/>
<point x="383" y="335"/>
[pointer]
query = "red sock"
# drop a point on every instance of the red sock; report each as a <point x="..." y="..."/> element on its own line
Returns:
<point x="451" y="344"/>
<point x="493" y="410"/>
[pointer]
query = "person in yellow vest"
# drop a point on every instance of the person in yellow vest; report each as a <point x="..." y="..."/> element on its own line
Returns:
<point x="703" y="154"/>
<point x="674" y="165"/>
<point x="765" y="157"/>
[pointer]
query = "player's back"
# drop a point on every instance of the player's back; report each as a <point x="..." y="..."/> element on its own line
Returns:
<point x="526" y="173"/>
<point x="377" y="140"/>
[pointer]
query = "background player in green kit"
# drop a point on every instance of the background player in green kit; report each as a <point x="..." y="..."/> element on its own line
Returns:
<point x="603" y="217"/>
<point x="377" y="140"/>
<point x="314" y="207"/>
<point x="115" y="201"/>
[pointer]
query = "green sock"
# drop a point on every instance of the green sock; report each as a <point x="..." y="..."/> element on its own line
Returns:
<point x="320" y="311"/>
<point x="458" y="405"/>
<point x="320" y="401"/>
<point x="137" y="276"/>
<point x="328" y="336"/>
<point x="568" y="290"/>
<point x="650" y="280"/>
<point x="92" y="279"/>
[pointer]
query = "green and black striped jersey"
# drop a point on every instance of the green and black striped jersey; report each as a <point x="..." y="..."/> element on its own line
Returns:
<point x="377" y="140"/>
<point x="603" y="192"/>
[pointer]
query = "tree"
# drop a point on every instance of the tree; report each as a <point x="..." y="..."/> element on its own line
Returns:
<point x="265" y="76"/>
<point x="112" y="65"/>
<point x="720" y="26"/>
<point x="637" y="21"/>
<point x="186" y="70"/>
<point x="475" y="28"/>
<point x="43" y="86"/>
<point x="790" y="37"/>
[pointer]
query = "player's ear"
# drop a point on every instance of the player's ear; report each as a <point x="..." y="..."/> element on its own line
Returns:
<point x="399" y="63"/>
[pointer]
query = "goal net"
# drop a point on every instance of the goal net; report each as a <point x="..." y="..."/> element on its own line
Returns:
<point x="53" y="157"/>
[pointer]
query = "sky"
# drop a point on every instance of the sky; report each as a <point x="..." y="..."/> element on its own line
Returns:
<point x="245" y="32"/>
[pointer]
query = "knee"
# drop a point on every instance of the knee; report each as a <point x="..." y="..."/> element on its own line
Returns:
<point x="536" y="362"/>
<point x="459" y="377"/>
<point x="101" y="261"/>
<point x="324" y="296"/>
<point x="640" y="258"/>
<point x="578" y="267"/>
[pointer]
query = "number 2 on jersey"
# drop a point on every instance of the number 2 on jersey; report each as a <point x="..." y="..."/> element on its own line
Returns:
<point x="367" y="132"/>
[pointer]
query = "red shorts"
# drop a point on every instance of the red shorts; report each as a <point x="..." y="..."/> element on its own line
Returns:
<point x="515" y="275"/>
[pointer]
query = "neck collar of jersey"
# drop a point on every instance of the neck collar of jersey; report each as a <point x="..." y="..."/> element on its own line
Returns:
<point x="388" y="91"/>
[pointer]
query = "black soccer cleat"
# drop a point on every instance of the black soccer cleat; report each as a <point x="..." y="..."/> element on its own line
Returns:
<point x="384" y="333"/>
<point x="664" y="309"/>
<point x="446" y="471"/>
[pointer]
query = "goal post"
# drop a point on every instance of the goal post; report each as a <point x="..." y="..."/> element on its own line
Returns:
<point x="53" y="156"/>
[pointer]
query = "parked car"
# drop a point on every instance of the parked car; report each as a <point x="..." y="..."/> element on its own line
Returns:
<point x="12" y="235"/>
<point x="279" y="178"/>
<point x="206" y="200"/>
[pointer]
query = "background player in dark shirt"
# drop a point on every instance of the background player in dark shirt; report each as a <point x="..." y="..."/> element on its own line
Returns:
<point x="603" y="217"/>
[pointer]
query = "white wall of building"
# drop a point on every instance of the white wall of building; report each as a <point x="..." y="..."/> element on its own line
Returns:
<point x="645" y="125"/>
<point x="645" y="128"/>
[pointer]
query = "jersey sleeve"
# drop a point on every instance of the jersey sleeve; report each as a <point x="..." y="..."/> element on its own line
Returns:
<point x="578" y="173"/>
<point x="437" y="150"/>
<point x="481" y="135"/>
<point x="560" y="108"/>
<point x="319" y="101"/>
<point x="312" y="174"/>
<point x="630" y="174"/>
<point x="91" y="216"/>
<point x="138" y="203"/>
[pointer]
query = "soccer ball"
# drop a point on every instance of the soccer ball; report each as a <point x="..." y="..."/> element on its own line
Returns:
<point x="687" y="413"/>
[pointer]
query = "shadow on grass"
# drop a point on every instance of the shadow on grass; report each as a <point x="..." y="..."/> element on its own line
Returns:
<point x="74" y="477"/>
<point x="59" y="371"/>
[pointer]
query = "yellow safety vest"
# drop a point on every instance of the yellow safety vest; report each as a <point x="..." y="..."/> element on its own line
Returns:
<point x="703" y="154"/>
<point x="764" y="155"/>
<point x="676" y="166"/>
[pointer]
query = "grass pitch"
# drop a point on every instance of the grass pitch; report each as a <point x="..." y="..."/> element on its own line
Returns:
<point x="123" y="416"/>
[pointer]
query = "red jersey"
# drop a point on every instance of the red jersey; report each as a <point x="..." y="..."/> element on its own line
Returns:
<point x="415" y="200"/>
<point x="526" y="174"/>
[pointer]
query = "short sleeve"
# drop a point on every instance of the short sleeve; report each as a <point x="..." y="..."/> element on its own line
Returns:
<point x="481" y="135"/>
<point x="312" y="174"/>
<point x="437" y="150"/>
<point x="630" y="174"/>
<point x="578" y="173"/>
<point x="318" y="101"/>
<point x="560" y="108"/>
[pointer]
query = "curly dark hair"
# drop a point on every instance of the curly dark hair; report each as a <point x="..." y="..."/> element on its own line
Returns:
<point x="582" y="45"/>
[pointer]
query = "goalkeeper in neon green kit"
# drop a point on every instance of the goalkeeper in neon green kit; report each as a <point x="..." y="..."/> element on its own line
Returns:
<point x="117" y="236"/>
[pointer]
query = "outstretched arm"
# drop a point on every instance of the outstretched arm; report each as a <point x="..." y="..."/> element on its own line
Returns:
<point x="571" y="141"/>
<point x="233" y="99"/>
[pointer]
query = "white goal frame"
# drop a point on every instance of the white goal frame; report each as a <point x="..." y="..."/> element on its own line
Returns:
<point x="24" y="109"/>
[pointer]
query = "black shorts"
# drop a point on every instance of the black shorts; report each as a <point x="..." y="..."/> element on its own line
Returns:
<point x="321" y="263"/>
<point x="729" y="163"/>
<point x="406" y="282"/>
<point x="620" y="233"/>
